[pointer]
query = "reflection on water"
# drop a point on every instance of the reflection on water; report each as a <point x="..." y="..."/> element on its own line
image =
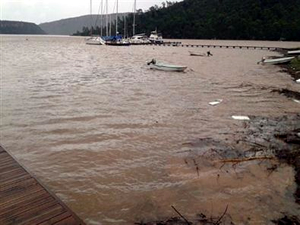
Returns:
<point x="105" y="133"/>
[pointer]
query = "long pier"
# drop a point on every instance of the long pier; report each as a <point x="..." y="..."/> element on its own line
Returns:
<point x="25" y="200"/>
<point x="179" y="44"/>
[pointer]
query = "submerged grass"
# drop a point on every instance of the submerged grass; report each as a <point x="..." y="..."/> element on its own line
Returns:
<point x="295" y="64"/>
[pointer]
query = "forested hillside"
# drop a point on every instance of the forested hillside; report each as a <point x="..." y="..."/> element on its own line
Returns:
<point x="225" y="19"/>
<point x="14" y="27"/>
<point x="219" y="19"/>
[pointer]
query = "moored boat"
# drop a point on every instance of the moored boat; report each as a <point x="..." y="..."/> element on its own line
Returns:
<point x="294" y="52"/>
<point x="165" y="67"/>
<point x="139" y="39"/>
<point x="118" y="43"/>
<point x="276" y="60"/>
<point x="156" y="38"/>
<point x="95" y="41"/>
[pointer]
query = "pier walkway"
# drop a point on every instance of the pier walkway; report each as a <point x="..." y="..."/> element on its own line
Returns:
<point x="179" y="44"/>
<point x="24" y="200"/>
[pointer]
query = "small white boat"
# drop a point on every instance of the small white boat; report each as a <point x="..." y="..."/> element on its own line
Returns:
<point x="156" y="38"/>
<point x="276" y="60"/>
<point x="165" y="67"/>
<point x="139" y="39"/>
<point x="294" y="52"/>
<point x="95" y="41"/>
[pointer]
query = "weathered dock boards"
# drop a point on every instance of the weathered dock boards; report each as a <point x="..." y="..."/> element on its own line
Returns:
<point x="24" y="200"/>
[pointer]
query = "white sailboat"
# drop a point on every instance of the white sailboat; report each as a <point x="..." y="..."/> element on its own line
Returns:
<point x="117" y="40"/>
<point x="95" y="40"/>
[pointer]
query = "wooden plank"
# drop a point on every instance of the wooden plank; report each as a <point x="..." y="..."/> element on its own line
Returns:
<point x="29" y="214"/>
<point x="5" y="164"/>
<point x="67" y="221"/>
<point x="5" y="157"/>
<point x="15" y="196"/>
<point x="22" y="207"/>
<point x="56" y="219"/>
<point x="25" y="200"/>
<point x="12" y="176"/>
<point x="10" y="167"/>
<point x="14" y="180"/>
<point x="18" y="186"/>
<point x="46" y="215"/>
<point x="22" y="201"/>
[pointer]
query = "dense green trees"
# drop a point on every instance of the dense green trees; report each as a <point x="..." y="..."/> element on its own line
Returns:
<point x="222" y="19"/>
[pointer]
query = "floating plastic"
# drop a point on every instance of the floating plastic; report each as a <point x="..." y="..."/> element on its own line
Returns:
<point x="215" y="102"/>
<point x="295" y="100"/>
<point x="240" y="117"/>
<point x="298" y="81"/>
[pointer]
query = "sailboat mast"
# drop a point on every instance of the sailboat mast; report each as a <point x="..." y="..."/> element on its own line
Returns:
<point x="117" y="17"/>
<point x="109" y="24"/>
<point x="101" y="18"/>
<point x="124" y="19"/>
<point x="106" y="17"/>
<point x="133" y="25"/>
<point x="91" y="11"/>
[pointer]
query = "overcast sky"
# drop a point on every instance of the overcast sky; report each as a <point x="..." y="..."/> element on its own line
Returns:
<point x="39" y="11"/>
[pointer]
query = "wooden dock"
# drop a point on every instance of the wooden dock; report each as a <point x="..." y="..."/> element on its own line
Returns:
<point x="178" y="44"/>
<point x="24" y="200"/>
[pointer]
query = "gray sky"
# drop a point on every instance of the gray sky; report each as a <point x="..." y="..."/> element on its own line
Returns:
<point x="39" y="11"/>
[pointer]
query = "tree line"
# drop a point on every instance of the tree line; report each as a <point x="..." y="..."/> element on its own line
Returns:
<point x="219" y="19"/>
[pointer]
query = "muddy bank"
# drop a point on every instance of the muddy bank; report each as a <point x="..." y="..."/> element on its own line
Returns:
<point x="288" y="93"/>
<point x="274" y="142"/>
<point x="292" y="68"/>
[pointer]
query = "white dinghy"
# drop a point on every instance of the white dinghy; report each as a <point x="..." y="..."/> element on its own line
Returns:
<point x="153" y="64"/>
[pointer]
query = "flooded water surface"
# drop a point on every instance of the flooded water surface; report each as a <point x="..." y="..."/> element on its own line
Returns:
<point x="108" y="135"/>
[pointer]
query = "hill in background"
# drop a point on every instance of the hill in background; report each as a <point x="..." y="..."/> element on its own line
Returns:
<point x="16" y="27"/>
<point x="224" y="19"/>
<point x="72" y="25"/>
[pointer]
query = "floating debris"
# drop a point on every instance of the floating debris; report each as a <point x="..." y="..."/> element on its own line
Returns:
<point x="298" y="81"/>
<point x="295" y="100"/>
<point x="240" y="117"/>
<point x="216" y="102"/>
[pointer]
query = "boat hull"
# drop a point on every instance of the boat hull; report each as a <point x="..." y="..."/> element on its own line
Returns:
<point x="294" y="52"/>
<point x="117" y="44"/>
<point x="95" y="41"/>
<point x="174" y="68"/>
<point x="278" y="60"/>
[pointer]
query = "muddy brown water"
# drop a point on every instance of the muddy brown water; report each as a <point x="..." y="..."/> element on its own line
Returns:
<point x="107" y="135"/>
